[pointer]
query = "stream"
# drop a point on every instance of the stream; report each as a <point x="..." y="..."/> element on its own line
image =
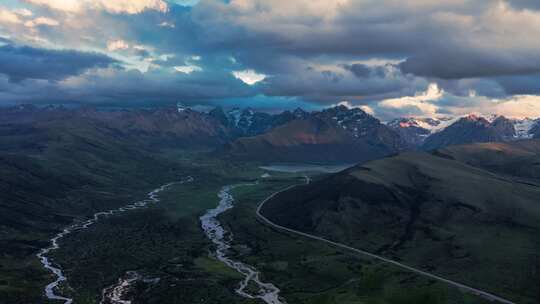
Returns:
<point x="267" y="292"/>
<point x="51" y="291"/>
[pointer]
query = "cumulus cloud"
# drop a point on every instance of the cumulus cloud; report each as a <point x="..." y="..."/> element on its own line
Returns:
<point x="7" y="16"/>
<point x="516" y="106"/>
<point x="421" y="104"/>
<point x="187" y="69"/>
<point x="111" y="6"/>
<point x="41" y="21"/>
<point x="249" y="76"/>
<point x="24" y="12"/>
<point x="115" y="45"/>
<point x="435" y="102"/>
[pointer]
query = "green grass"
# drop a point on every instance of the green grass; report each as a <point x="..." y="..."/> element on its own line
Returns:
<point x="436" y="214"/>
<point x="217" y="268"/>
<point x="166" y="241"/>
<point x="311" y="272"/>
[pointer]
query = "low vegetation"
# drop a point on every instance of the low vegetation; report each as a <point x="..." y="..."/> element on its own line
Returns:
<point x="471" y="221"/>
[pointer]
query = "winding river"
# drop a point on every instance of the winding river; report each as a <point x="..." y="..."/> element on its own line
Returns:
<point x="51" y="288"/>
<point x="117" y="293"/>
<point x="213" y="229"/>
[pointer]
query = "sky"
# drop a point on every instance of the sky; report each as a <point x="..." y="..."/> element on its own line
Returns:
<point x="392" y="58"/>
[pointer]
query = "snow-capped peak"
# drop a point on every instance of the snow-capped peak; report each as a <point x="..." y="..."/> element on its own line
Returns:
<point x="241" y="118"/>
<point x="433" y="125"/>
<point x="523" y="127"/>
<point x="234" y="115"/>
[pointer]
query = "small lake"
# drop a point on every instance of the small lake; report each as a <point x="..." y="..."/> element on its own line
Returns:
<point x="296" y="168"/>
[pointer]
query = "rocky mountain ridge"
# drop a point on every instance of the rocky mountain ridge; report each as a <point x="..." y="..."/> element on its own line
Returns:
<point x="338" y="133"/>
<point x="431" y="133"/>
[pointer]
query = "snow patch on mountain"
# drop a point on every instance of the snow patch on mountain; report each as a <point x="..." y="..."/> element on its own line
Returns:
<point x="234" y="115"/>
<point x="433" y="125"/>
<point x="180" y="107"/>
<point x="353" y="120"/>
<point x="523" y="127"/>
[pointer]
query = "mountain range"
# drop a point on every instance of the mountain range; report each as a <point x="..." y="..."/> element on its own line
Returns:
<point x="336" y="134"/>
<point x="432" y="133"/>
<point x="333" y="135"/>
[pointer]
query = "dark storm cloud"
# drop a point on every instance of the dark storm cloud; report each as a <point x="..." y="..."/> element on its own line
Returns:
<point x="525" y="4"/>
<point x="521" y="85"/>
<point x="127" y="87"/>
<point x="364" y="71"/>
<point x="320" y="85"/>
<point x="359" y="70"/>
<point x="434" y="40"/>
<point x="24" y="62"/>
<point x="488" y="87"/>
<point x="456" y="64"/>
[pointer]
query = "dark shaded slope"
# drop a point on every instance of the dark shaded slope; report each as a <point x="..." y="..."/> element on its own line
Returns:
<point x="162" y="127"/>
<point x="472" y="129"/>
<point x="431" y="212"/>
<point x="54" y="170"/>
<point x="521" y="158"/>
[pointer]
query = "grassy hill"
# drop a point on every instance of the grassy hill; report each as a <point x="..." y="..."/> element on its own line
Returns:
<point x="518" y="159"/>
<point x="458" y="212"/>
<point x="54" y="170"/>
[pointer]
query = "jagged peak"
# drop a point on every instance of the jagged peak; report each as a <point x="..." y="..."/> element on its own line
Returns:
<point x="424" y="123"/>
<point x="299" y="113"/>
<point x="346" y="110"/>
<point x="299" y="110"/>
<point x="180" y="107"/>
<point x="473" y="118"/>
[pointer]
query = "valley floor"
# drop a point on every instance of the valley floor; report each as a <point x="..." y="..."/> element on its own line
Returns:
<point x="164" y="246"/>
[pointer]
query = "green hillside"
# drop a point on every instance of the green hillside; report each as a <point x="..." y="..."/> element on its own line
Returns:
<point x="434" y="212"/>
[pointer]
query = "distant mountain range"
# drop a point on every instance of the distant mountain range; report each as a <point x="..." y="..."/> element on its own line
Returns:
<point x="432" y="133"/>
<point x="337" y="134"/>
